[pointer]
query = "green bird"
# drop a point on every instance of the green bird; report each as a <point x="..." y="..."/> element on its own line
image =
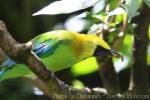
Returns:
<point x="62" y="48"/>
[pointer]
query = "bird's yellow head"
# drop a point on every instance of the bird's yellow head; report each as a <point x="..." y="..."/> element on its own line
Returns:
<point x="99" y="45"/>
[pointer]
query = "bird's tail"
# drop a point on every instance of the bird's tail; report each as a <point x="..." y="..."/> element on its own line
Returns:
<point x="6" y="65"/>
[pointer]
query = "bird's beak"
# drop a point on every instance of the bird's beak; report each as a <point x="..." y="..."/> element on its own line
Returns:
<point x="116" y="54"/>
<point x="101" y="51"/>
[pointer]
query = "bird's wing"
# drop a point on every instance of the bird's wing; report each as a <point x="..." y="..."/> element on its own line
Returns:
<point x="41" y="49"/>
<point x="6" y="65"/>
<point x="45" y="48"/>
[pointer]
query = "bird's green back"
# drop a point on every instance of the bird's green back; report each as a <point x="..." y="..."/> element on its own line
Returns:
<point x="64" y="54"/>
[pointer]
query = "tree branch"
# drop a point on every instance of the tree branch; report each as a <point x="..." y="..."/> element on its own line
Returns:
<point x="56" y="88"/>
<point x="139" y="78"/>
<point x="3" y="56"/>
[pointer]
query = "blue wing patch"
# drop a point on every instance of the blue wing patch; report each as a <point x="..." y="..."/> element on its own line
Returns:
<point x="45" y="48"/>
<point x="42" y="49"/>
<point x="6" y="65"/>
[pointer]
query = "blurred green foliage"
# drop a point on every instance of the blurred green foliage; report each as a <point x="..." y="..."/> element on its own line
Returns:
<point x="85" y="67"/>
<point x="77" y="84"/>
<point x="148" y="51"/>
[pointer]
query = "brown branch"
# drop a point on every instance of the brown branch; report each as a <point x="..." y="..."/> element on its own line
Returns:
<point x="56" y="89"/>
<point x="3" y="56"/>
<point x="139" y="75"/>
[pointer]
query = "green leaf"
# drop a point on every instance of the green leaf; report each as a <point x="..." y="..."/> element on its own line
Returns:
<point x="87" y="66"/>
<point x="132" y="7"/>
<point x="148" y="51"/>
<point x="113" y="3"/>
<point x="117" y="11"/>
<point x="77" y="84"/>
<point x="119" y="18"/>
<point x="96" y="28"/>
<point x="127" y="44"/>
<point x="66" y="6"/>
<point x="99" y="6"/>
<point x="149" y="31"/>
<point x="147" y="2"/>
<point x="76" y="23"/>
<point x="148" y="55"/>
